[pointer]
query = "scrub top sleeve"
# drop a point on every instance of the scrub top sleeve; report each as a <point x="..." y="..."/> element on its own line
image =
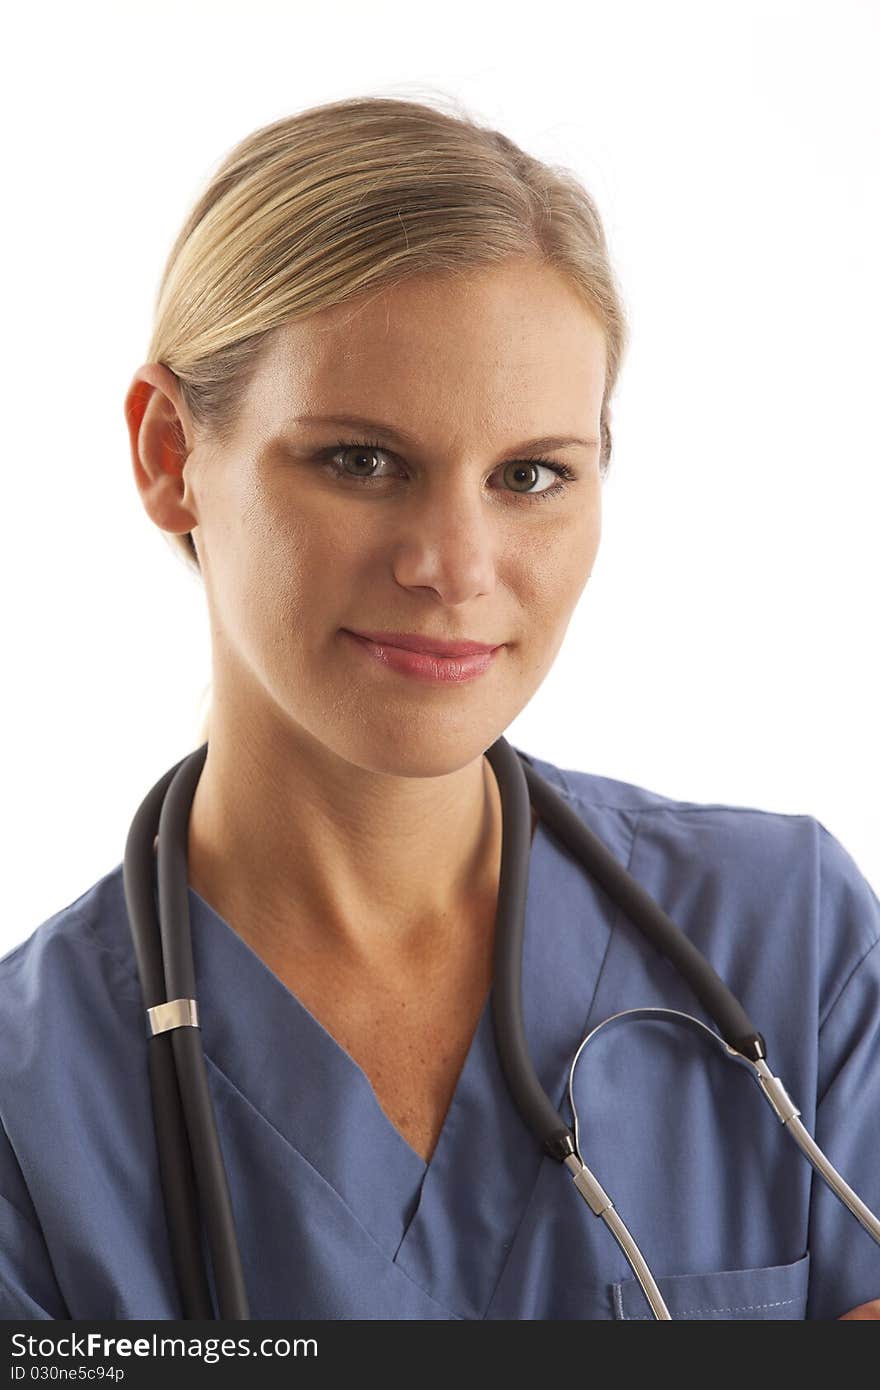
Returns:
<point x="844" y="1257"/>
<point x="28" y="1289"/>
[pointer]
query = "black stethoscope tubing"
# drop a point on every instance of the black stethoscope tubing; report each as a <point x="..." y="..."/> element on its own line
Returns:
<point x="186" y="1130"/>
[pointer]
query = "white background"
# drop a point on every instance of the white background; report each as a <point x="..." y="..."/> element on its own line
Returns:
<point x="726" y="648"/>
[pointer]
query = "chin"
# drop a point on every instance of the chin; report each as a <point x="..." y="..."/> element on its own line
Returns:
<point x="408" y="756"/>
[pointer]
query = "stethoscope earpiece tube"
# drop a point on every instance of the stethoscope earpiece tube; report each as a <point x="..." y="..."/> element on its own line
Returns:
<point x="213" y="1191"/>
<point x="521" y="786"/>
<point x="507" y="1016"/>
<point x="176" y="1173"/>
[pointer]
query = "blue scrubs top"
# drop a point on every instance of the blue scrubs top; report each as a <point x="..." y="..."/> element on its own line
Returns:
<point x="338" y="1217"/>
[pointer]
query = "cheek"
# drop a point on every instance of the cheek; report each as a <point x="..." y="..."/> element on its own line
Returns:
<point x="553" y="568"/>
<point x="275" y="560"/>
<point x="578" y="555"/>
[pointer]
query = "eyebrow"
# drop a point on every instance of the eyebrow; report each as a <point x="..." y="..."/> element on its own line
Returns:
<point x="548" y="441"/>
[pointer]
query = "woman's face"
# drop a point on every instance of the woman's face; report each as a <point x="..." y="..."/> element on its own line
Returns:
<point x="452" y="535"/>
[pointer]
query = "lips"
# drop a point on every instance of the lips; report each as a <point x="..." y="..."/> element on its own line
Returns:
<point x="436" y="646"/>
<point x="431" y="665"/>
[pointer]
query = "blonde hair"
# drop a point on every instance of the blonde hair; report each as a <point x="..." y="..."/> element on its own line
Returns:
<point x="354" y="196"/>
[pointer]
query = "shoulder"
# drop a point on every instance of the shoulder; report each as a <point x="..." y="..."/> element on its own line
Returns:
<point x="71" y="1015"/>
<point x="715" y="863"/>
<point x="75" y="1104"/>
<point x="594" y="789"/>
<point x="71" y="969"/>
<point x="91" y="927"/>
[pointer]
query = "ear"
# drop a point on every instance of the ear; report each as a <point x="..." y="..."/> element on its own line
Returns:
<point x="159" y="431"/>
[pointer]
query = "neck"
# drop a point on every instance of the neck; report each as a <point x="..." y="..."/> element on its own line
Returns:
<point x="302" y="852"/>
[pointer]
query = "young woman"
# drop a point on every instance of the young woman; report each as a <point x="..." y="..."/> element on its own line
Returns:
<point x="375" y="419"/>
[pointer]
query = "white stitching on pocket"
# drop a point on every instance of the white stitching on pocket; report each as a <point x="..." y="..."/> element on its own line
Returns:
<point x="697" y="1292"/>
<point x="695" y="1312"/>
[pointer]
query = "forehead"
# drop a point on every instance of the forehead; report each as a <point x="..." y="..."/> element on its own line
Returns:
<point x="514" y="337"/>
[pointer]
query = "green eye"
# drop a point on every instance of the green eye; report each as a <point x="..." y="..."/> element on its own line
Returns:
<point x="522" y="473"/>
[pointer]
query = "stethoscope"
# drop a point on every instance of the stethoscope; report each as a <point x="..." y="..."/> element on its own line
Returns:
<point x="191" y="1165"/>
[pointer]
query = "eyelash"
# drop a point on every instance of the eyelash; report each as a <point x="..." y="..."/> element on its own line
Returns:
<point x="564" y="473"/>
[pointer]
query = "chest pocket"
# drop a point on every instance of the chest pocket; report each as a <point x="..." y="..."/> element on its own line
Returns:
<point x="774" y="1291"/>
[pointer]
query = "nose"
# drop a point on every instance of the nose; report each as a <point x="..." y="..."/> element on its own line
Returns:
<point x="448" y="543"/>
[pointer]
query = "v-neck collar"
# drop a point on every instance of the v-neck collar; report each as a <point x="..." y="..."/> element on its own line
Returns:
<point x="295" y="1074"/>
